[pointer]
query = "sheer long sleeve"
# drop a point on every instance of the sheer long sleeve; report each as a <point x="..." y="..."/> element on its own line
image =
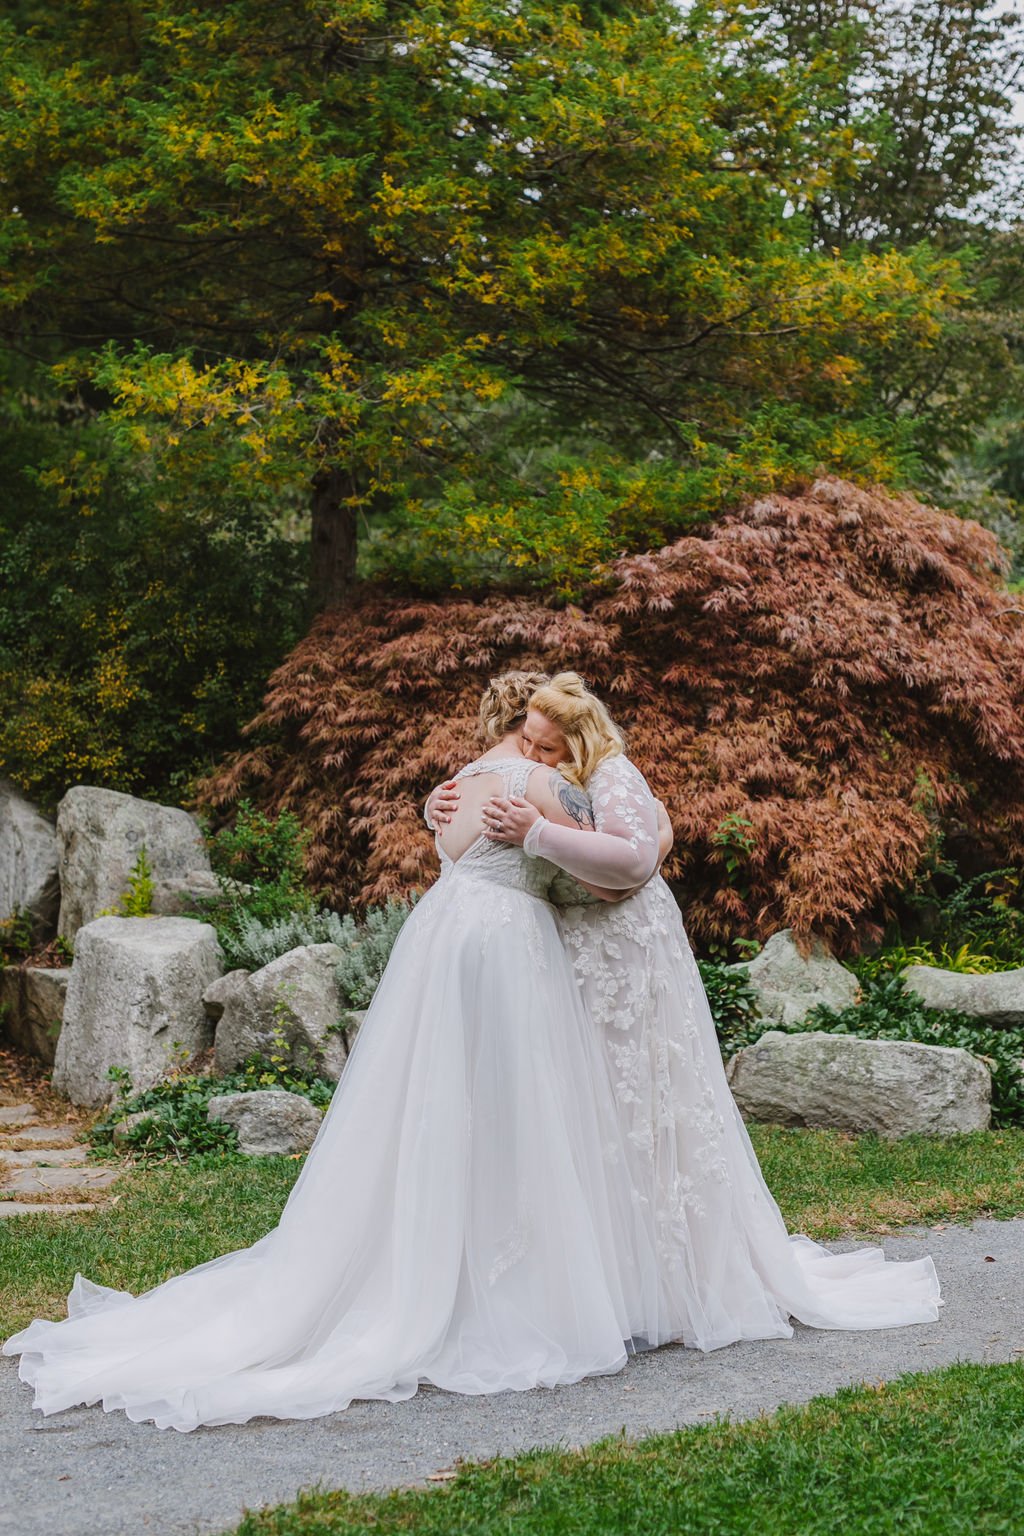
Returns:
<point x="623" y="851"/>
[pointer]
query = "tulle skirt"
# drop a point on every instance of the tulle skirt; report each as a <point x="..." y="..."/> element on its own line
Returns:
<point x="510" y="1189"/>
<point x="463" y="1218"/>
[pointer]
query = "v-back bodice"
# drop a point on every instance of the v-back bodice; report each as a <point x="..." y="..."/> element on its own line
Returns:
<point x="499" y="863"/>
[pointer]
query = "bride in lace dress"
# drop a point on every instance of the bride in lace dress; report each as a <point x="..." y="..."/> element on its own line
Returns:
<point x="464" y="1216"/>
<point x="724" y="1266"/>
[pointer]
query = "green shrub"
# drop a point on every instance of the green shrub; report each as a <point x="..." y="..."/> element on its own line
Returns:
<point x="733" y="1003"/>
<point x="139" y="617"/>
<point x="979" y="922"/>
<point x="261" y="851"/>
<point x="259" y="864"/>
<point x="16" y="937"/>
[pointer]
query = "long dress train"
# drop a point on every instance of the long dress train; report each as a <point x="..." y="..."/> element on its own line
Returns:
<point x="461" y="1218"/>
<point x="724" y="1266"/>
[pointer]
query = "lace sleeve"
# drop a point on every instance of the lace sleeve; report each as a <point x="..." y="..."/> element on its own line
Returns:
<point x="623" y="851"/>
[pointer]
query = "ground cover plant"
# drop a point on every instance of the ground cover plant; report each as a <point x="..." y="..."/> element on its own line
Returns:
<point x="169" y="1216"/>
<point x="934" y="1454"/>
<point x="820" y="688"/>
<point x="173" y="1113"/>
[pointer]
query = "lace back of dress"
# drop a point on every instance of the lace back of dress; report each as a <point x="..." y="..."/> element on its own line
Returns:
<point x="503" y="863"/>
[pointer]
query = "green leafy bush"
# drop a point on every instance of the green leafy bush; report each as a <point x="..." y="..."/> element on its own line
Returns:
<point x="987" y="913"/>
<point x="733" y="1003"/>
<point x="16" y="937"/>
<point x="259" y="864"/>
<point x="177" y="1127"/>
<point x="139" y="617"/>
<point x="263" y="852"/>
<point x="979" y="922"/>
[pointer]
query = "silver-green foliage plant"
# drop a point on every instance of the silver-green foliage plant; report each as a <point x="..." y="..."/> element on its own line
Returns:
<point x="255" y="941"/>
<point x="367" y="948"/>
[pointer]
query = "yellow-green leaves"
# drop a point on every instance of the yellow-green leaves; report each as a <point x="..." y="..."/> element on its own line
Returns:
<point x="536" y="281"/>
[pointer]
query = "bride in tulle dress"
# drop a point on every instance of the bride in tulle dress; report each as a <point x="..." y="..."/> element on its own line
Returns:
<point x="717" y="1263"/>
<point x="509" y="1189"/>
<point x="464" y="1217"/>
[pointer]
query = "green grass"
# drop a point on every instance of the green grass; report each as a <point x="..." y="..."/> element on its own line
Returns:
<point x="829" y="1184"/>
<point x="163" y="1220"/>
<point x="941" y="1454"/>
<point x="168" y="1218"/>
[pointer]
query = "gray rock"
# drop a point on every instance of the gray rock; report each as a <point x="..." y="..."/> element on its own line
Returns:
<point x="134" y="1000"/>
<point x="28" y="864"/>
<point x="180" y="896"/>
<point x="788" y="986"/>
<point x="228" y="992"/>
<point x="33" y="1007"/>
<point x="892" y="1087"/>
<point x="996" y="1000"/>
<point x="101" y="833"/>
<point x="270" y="1122"/>
<point x="293" y="1003"/>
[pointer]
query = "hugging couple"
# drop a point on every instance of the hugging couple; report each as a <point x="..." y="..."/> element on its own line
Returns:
<point x="532" y="1166"/>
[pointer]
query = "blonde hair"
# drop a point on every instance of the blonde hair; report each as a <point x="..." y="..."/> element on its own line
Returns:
<point x="506" y="700"/>
<point x="591" y="734"/>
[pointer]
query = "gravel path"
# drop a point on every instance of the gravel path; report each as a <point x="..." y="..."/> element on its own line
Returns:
<point x="84" y="1473"/>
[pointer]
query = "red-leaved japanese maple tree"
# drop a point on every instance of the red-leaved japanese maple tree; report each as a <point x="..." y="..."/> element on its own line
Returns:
<point x="817" y="688"/>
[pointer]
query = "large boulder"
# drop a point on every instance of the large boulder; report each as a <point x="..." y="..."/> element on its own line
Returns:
<point x="32" y="998"/>
<point x="134" y="1000"/>
<point x="28" y="864"/>
<point x="996" y="1000"/>
<point x="892" y="1087"/>
<point x="293" y="1004"/>
<point x="788" y="984"/>
<point x="270" y="1121"/>
<point x="101" y="833"/>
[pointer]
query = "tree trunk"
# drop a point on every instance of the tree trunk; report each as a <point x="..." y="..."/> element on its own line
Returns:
<point x="333" y="565"/>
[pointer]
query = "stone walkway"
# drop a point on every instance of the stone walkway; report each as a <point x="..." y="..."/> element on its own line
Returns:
<point x="86" y="1473"/>
<point x="45" y="1167"/>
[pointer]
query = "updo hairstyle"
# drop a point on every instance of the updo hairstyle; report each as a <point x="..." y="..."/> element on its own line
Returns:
<point x="506" y="700"/>
<point x="591" y="734"/>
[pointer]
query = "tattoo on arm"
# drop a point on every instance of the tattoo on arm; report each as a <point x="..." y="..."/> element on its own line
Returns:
<point x="575" y="801"/>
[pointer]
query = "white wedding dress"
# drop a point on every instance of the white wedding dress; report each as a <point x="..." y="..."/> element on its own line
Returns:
<point x="507" y="1191"/>
<point x="463" y="1217"/>
<point x="725" y="1266"/>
